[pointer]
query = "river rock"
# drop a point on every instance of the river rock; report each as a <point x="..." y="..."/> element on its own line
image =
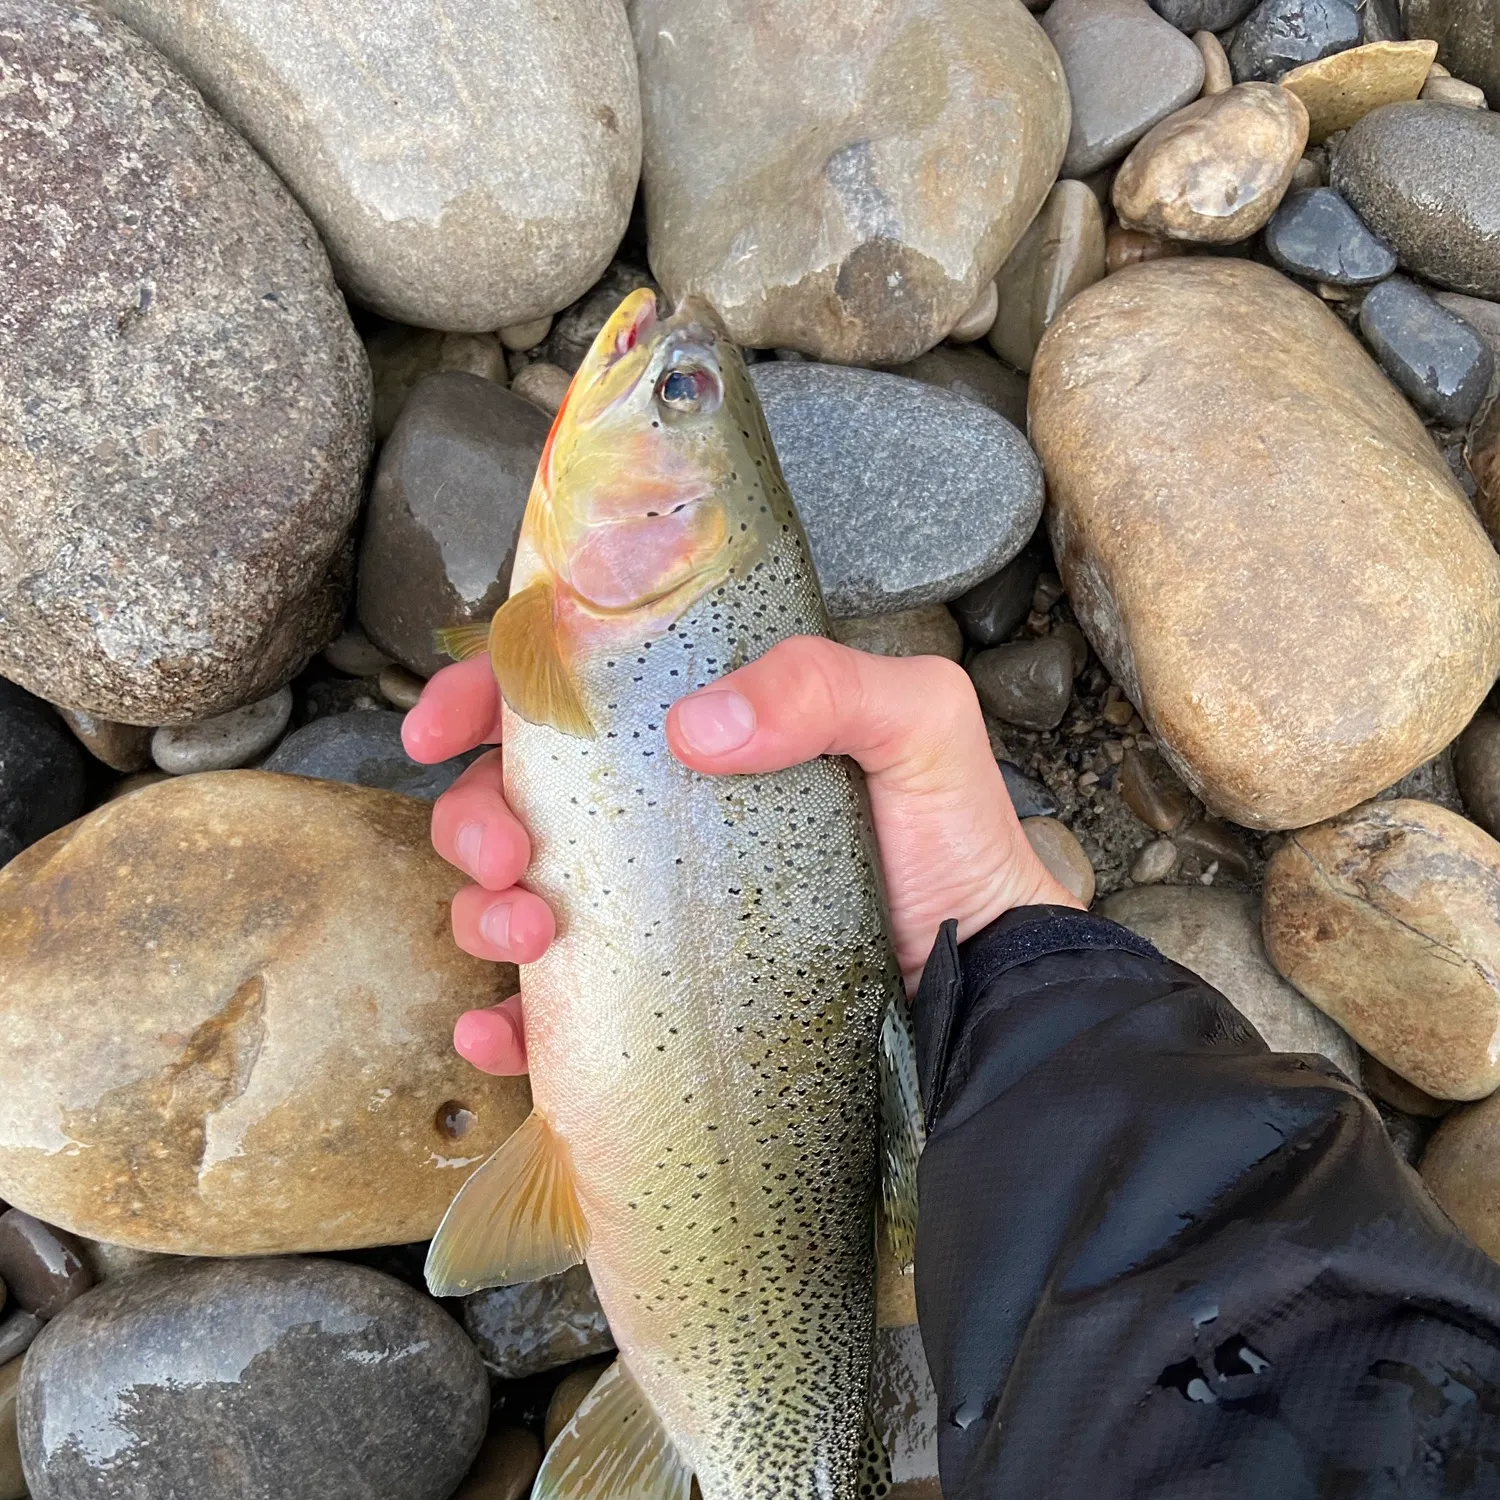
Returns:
<point x="544" y="385"/>
<point x="1200" y="421"/>
<point x="1426" y="178"/>
<point x="576" y="328"/>
<point x="364" y="748"/>
<point x="874" y="171"/>
<point x="1345" y="87"/>
<point x="225" y="741"/>
<point x="1206" y="16"/>
<point x="929" y="631"/>
<point x="1482" y="450"/>
<point x="538" y="1325"/>
<point x="1441" y="363"/>
<point x="975" y="323"/>
<point x="1386" y="919"/>
<point x="1453" y="91"/>
<point x="1279" y="35"/>
<point x="251" y="1380"/>
<point x="1476" y="765"/>
<point x="42" y="1267"/>
<point x="12" y="1480"/>
<point x="400" y="688"/>
<point x="1461" y="1168"/>
<point x="42" y="779"/>
<point x="506" y="1466"/>
<point x="351" y="652"/>
<point x="18" y="1332"/>
<point x="1214" y="172"/>
<point x="904" y="1411"/>
<point x="467" y="167"/>
<point x="121" y="747"/>
<point x="1059" y="850"/>
<point x="440" y="530"/>
<point x="972" y="373"/>
<point x="909" y="494"/>
<point x="1217" y="935"/>
<point x="1025" y="683"/>
<point x="271" y="1068"/>
<point x="989" y="612"/>
<point x="400" y="357"/>
<point x="1314" y="233"/>
<point x="184" y="404"/>
<point x="1126" y="69"/>
<point x="1060" y="254"/>
<point x="1217" y="75"/>
<point x="568" y="1396"/>
<point x="1468" y="36"/>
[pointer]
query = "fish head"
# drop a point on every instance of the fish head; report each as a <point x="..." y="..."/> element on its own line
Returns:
<point x="649" y="489"/>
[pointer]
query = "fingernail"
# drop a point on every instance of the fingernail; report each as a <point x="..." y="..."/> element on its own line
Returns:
<point x="714" y="723"/>
<point x="495" y="924"/>
<point x="469" y="842"/>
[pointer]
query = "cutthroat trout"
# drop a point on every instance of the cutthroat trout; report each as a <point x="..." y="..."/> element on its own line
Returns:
<point x="709" y="1032"/>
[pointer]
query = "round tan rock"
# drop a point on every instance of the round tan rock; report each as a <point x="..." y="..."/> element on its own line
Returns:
<point x="1216" y="72"/>
<point x="1341" y="89"/>
<point x="1453" y="91"/>
<point x="1388" y="919"/>
<point x="1259" y="538"/>
<point x="543" y="385"/>
<point x="1129" y="247"/>
<point x="979" y="317"/>
<point x="1461" y="1168"/>
<point x="1214" y="172"/>
<point x="257" y="983"/>
<point x="1062" y="854"/>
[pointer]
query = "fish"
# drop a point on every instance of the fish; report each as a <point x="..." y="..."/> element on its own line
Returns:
<point x="720" y="1053"/>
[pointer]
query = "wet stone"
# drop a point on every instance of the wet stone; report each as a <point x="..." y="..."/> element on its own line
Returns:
<point x="1126" y="69"/>
<point x="1130" y="247"/>
<point x="42" y="779"/>
<point x="1379" y="1082"/>
<point x="42" y="1267"/>
<point x="1476" y="764"/>
<point x="1030" y="797"/>
<point x="223" y="742"/>
<point x="1468" y="37"/>
<point x="1317" y="235"/>
<point x="1442" y="364"/>
<point x="1152" y="792"/>
<point x="1213" y="843"/>
<point x="1025" y="683"/>
<point x="1279" y="35"/>
<point x="1345" y="87"/>
<point x="973" y="373"/>
<point x="538" y="1325"/>
<point x="930" y="631"/>
<point x="441" y="525"/>
<point x="364" y="748"/>
<point x="989" y="612"/>
<point x="1062" y="854"/>
<point x="214" y="1362"/>
<point x="401" y="357"/>
<point x="1202" y="15"/>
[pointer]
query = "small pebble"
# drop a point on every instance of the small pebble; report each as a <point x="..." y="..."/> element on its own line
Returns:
<point x="1048" y="591"/>
<point x="1029" y="797"/>
<point x="543" y="385"/>
<point x="1318" y="235"/>
<point x="1344" y="88"/>
<point x="18" y="1331"/>
<point x="567" y="1398"/>
<point x="1118" y="713"/>
<point x="1155" y="862"/>
<point x="506" y="1467"/>
<point x="1307" y="174"/>
<point x="1216" y="846"/>
<point x="121" y="747"/>
<point x="353" y="653"/>
<point x="1062" y="854"/>
<point x="1216" y="74"/>
<point x="1076" y="642"/>
<point x="399" y="687"/>
<point x="1437" y="358"/>
<point x="522" y="336"/>
<point x="1025" y="683"/>
<point x="221" y="743"/>
<point x="1149" y="794"/>
<point x="990" y="611"/>
<point x="976" y="321"/>
<point x="42" y="1267"/>
<point x="1454" y="91"/>
<point x="1129" y="247"/>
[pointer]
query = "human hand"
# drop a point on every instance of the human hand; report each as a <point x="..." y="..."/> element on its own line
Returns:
<point x="950" y="842"/>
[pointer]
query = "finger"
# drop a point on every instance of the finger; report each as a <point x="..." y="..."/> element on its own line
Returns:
<point x="511" y="926"/>
<point x="459" y="708"/>
<point x="493" y="1040"/>
<point x="474" y="828"/>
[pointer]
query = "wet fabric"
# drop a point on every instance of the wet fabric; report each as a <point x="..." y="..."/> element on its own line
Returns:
<point x="1155" y="1259"/>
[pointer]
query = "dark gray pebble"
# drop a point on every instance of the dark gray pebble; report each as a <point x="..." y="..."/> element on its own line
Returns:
<point x="1026" y="683"/>
<point x="364" y="748"/>
<point x="538" y="1325"/>
<point x="1029" y="796"/>
<point x="1279" y="35"/>
<point x="1202" y="15"/>
<point x="42" y="1266"/>
<point x="42" y="777"/>
<point x="1314" y="233"/>
<point x="991" y="610"/>
<point x="1441" y="363"/>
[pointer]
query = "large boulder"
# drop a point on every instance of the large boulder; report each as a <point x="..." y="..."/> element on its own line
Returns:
<point x="184" y="404"/>
<point x="469" y="165"/>
<point x="1261" y="541"/>
<point x="257" y="984"/>
<point x="843" y="178"/>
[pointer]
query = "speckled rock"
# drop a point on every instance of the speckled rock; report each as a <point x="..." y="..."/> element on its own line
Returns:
<point x="467" y="166"/>
<point x="1314" y="233"/>
<point x="1217" y="935"/>
<point x="196" y="1380"/>
<point x="42" y="780"/>
<point x="184" y="404"/>
<point x="401" y="357"/>
<point x="909" y="494"/>
<point x="1386" y="918"/>
<point x="1200" y="421"/>
<point x="538" y="1325"/>
<point x="1468" y="36"/>
<point x="364" y="748"/>
<point x="1345" y="87"/>
<point x="1279" y="35"/>
<point x="973" y="373"/>
<point x="225" y="741"/>
<point x="1214" y="172"/>
<point x="440" y="529"/>
<point x="1442" y="364"/>
<point x="1426" y="178"/>
<point x="929" y="631"/>
<point x="1126" y="69"/>
<point x="876" y="169"/>
<point x="273" y="1070"/>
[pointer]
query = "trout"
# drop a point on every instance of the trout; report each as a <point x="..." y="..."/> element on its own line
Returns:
<point x="717" y="1038"/>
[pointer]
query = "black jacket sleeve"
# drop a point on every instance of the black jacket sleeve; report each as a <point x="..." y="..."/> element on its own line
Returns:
<point x="1155" y="1259"/>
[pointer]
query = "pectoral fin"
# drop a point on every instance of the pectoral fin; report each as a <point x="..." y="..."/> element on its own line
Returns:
<point x="529" y="666"/>
<point x="615" y="1448"/>
<point x="516" y="1219"/>
<point x="463" y="641"/>
<point x="902" y="1133"/>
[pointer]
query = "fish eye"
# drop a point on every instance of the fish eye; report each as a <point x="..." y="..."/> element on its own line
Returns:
<point x="689" y="389"/>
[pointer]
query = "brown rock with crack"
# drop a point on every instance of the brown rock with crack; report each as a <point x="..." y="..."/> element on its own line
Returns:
<point x="1214" y="172"/>
<point x="1203" y="423"/>
<point x="880" y="160"/>
<point x="1388" y="920"/>
<point x="268" y="1065"/>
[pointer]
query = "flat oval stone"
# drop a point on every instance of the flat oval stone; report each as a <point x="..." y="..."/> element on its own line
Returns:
<point x="1426" y="178"/>
<point x="251" y="1380"/>
<point x="1314" y="233"/>
<point x="1214" y="172"/>
<point x="1058" y="849"/>
<point x="42" y="780"/>
<point x="892" y="157"/>
<point x="1202" y="15"/>
<point x="225" y="741"/>
<point x="1345" y="87"/>
<point x="467" y="166"/>
<point x="1386" y="919"/>
<point x="1279" y="35"/>
<point x="1468" y="36"/>
<point x="909" y="494"/>
<point x="184" y="404"/>
<point x="1217" y="935"/>
<point x="1203" y="423"/>
<point x="273" y="1070"/>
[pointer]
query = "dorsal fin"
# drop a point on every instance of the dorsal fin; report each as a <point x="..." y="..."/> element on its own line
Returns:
<point x="527" y="656"/>
<point x="615" y="1448"/>
<point x="516" y="1219"/>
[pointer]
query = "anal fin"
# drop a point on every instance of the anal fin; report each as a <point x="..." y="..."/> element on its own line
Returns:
<point x="463" y="641"/>
<point x="902" y="1132"/>
<point x="529" y="666"/>
<point x="615" y="1448"/>
<point x="516" y="1219"/>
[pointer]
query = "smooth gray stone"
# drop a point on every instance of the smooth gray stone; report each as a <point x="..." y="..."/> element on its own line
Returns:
<point x="1314" y="233"/>
<point x="974" y="373"/>
<point x="1425" y="177"/>
<point x="1468" y="36"/>
<point x="364" y="748"/>
<point x="1026" y="683"/>
<point x="991" y="610"/>
<point x="1380" y="21"/>
<point x="251" y="1380"/>
<point x="1189" y="16"/>
<point x="18" y="1331"/>
<point x="1279" y="35"/>
<point x="1126" y="69"/>
<point x="440" y="529"/>
<point x="538" y="1325"/>
<point x="575" y="328"/>
<point x="909" y="494"/>
<point x="1442" y="364"/>
<point x="43" y="783"/>
<point x="224" y="741"/>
